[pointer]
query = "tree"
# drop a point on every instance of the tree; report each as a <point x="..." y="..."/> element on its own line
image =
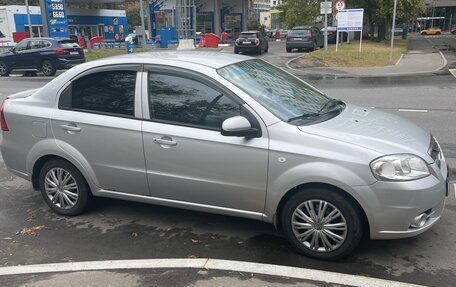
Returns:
<point x="133" y="15"/>
<point x="299" y="12"/>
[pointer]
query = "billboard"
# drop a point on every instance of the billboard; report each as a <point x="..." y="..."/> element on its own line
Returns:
<point x="57" y="18"/>
<point x="350" y="20"/>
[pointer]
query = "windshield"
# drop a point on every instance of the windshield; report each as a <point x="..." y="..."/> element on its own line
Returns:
<point x="299" y="32"/>
<point x="284" y="95"/>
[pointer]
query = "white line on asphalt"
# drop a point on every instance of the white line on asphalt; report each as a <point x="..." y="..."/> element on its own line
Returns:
<point x="413" y="110"/>
<point x="453" y="72"/>
<point x="210" y="264"/>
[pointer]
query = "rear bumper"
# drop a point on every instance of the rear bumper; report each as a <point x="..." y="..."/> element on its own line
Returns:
<point x="299" y="45"/>
<point x="251" y="49"/>
<point x="64" y="63"/>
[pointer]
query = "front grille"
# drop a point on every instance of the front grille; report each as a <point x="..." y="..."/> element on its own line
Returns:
<point x="434" y="151"/>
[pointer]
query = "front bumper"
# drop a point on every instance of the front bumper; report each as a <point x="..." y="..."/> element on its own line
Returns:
<point x="391" y="206"/>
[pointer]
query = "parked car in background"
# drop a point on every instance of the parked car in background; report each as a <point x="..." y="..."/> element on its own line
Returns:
<point x="284" y="33"/>
<point x="226" y="134"/>
<point x="431" y="31"/>
<point x="46" y="55"/>
<point x="251" y="42"/>
<point x="332" y="35"/>
<point x="453" y="31"/>
<point x="304" y="38"/>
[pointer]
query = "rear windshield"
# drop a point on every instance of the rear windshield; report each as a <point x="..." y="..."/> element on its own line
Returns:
<point x="249" y="35"/>
<point x="299" y="32"/>
<point x="68" y="44"/>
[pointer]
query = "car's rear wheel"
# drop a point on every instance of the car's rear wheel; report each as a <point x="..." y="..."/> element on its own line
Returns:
<point x="267" y="48"/>
<point x="48" y="68"/>
<point x="423" y="33"/>
<point x="438" y="33"/>
<point x="288" y="50"/>
<point x="322" y="224"/>
<point x="64" y="188"/>
<point x="314" y="47"/>
<point x="4" y="69"/>
<point x="236" y="50"/>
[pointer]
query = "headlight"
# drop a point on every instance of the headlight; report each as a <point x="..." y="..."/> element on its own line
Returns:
<point x="399" y="167"/>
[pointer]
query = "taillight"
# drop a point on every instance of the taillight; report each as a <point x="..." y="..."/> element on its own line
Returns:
<point x="308" y="36"/>
<point x="61" y="52"/>
<point x="288" y="38"/>
<point x="237" y="41"/>
<point x="257" y="42"/>
<point x="2" y="118"/>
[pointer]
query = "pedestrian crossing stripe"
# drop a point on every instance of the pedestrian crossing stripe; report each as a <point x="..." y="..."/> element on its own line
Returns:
<point x="453" y="72"/>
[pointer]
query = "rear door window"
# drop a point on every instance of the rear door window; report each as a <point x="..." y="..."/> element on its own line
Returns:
<point x="67" y="44"/>
<point x="109" y="92"/>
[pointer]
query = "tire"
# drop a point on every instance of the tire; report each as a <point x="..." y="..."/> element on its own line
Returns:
<point x="260" y="51"/>
<point x="4" y="69"/>
<point x="438" y="33"/>
<point x="288" y="50"/>
<point x="48" y="68"/>
<point x="267" y="48"/>
<point x="314" y="47"/>
<point x="423" y="33"/>
<point x="71" y="201"/>
<point x="236" y="51"/>
<point x="348" y="235"/>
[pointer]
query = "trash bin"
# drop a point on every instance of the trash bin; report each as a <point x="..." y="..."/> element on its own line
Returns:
<point x="164" y="37"/>
<point x="212" y="40"/>
<point x="404" y="32"/>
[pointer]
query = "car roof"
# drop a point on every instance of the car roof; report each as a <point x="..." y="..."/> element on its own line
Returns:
<point x="214" y="60"/>
<point x="47" y="38"/>
<point x="250" y="31"/>
<point x="302" y="28"/>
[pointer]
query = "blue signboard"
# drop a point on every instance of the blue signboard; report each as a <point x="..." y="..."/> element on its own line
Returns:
<point x="57" y="18"/>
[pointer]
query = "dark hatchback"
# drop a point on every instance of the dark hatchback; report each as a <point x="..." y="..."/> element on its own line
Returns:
<point x="251" y="42"/>
<point x="46" y="55"/>
<point x="304" y="38"/>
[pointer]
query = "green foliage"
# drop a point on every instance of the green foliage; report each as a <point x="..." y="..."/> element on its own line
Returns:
<point x="252" y="25"/>
<point x="299" y="12"/>
<point x="133" y="15"/>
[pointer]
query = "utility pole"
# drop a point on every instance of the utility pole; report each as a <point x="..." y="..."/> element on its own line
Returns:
<point x="392" y="32"/>
<point x="28" y="19"/>
<point x="143" y="28"/>
<point x="326" y="24"/>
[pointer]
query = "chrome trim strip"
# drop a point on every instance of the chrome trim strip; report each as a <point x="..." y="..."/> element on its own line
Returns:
<point x="182" y="204"/>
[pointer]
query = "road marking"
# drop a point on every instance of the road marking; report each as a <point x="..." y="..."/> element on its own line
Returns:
<point x="413" y="110"/>
<point x="210" y="264"/>
<point x="453" y="72"/>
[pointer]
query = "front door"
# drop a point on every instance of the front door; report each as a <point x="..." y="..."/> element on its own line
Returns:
<point x="99" y="123"/>
<point x="187" y="158"/>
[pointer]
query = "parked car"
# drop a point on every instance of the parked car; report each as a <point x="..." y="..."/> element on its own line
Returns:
<point x="431" y="31"/>
<point x="453" y="31"/>
<point x="332" y="35"/>
<point x="46" y="55"/>
<point x="251" y="42"/>
<point x="226" y="134"/>
<point x="304" y="38"/>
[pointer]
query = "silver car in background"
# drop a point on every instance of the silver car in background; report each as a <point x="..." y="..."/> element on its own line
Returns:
<point x="231" y="135"/>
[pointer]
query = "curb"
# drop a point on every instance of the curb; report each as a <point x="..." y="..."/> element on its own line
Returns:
<point x="209" y="264"/>
<point x="347" y="74"/>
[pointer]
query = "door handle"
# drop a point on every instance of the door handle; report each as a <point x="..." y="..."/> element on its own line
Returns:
<point x="71" y="128"/>
<point x="164" y="142"/>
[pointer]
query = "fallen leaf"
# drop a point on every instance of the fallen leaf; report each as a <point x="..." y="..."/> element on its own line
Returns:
<point x="192" y="256"/>
<point x="31" y="230"/>
<point x="240" y="242"/>
<point x="196" y="241"/>
<point x="7" y="238"/>
<point x="134" y="234"/>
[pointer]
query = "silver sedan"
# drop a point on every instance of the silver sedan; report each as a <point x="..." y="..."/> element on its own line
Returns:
<point x="226" y="134"/>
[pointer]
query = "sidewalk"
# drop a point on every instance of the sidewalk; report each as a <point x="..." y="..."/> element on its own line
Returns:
<point x="200" y="272"/>
<point x="421" y="58"/>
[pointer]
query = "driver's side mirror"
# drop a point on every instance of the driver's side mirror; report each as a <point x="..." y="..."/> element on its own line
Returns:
<point x="239" y="126"/>
<point x="13" y="50"/>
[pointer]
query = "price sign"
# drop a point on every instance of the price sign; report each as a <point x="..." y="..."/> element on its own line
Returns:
<point x="57" y="18"/>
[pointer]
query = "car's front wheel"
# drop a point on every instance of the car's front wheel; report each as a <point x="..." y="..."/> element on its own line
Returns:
<point x="4" y="69"/>
<point x="322" y="224"/>
<point x="64" y="188"/>
<point x="48" y="68"/>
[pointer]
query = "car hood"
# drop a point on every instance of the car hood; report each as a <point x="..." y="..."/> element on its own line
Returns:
<point x="375" y="130"/>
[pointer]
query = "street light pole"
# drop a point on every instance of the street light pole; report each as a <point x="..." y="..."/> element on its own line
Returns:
<point x="28" y="19"/>
<point x="143" y="28"/>
<point x="392" y="32"/>
<point x="326" y="24"/>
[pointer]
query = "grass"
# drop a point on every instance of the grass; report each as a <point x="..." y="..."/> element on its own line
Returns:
<point x="373" y="54"/>
<point x="103" y="53"/>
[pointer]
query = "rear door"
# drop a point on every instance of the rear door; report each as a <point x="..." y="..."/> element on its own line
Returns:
<point x="99" y="120"/>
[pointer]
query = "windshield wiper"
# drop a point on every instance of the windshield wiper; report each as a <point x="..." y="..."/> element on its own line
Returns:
<point x="303" y="116"/>
<point x="329" y="104"/>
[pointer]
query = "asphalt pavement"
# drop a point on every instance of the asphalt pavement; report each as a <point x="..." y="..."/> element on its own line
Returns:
<point x="117" y="230"/>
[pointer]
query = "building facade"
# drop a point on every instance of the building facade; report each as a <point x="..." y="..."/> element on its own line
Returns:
<point x="110" y="24"/>
<point x="442" y="14"/>
<point x="274" y="3"/>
